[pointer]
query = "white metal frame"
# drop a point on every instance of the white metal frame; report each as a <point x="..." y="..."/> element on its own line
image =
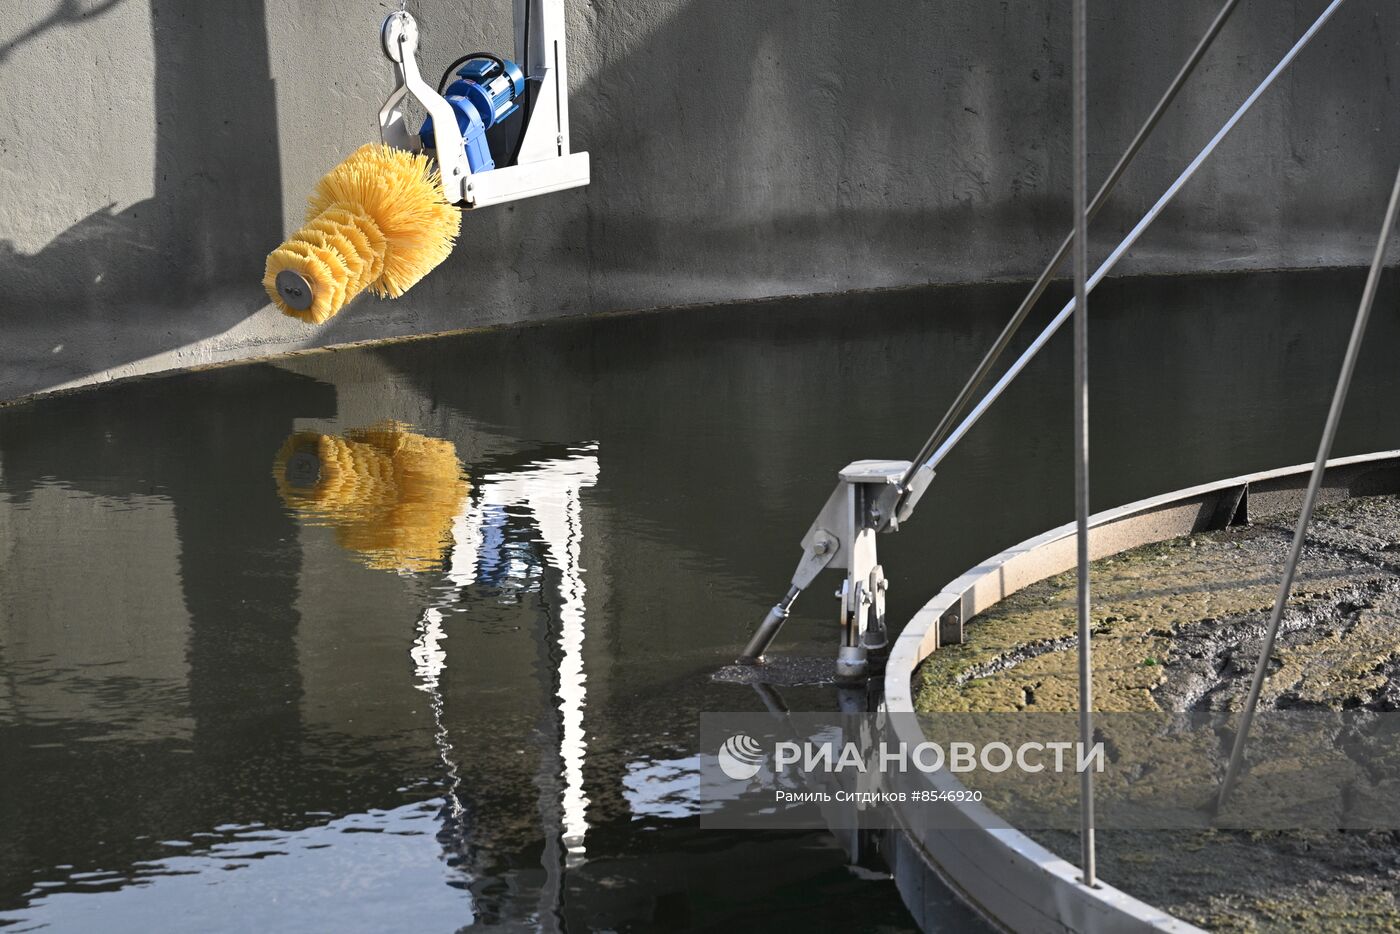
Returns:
<point x="545" y="163"/>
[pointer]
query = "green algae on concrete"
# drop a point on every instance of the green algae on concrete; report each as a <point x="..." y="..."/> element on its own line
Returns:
<point x="1156" y="605"/>
<point x="1178" y="627"/>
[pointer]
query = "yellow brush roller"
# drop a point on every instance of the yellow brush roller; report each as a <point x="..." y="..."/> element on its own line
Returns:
<point x="390" y="494"/>
<point x="377" y="221"/>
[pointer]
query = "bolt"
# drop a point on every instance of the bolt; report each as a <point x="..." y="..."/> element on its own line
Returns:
<point x="821" y="547"/>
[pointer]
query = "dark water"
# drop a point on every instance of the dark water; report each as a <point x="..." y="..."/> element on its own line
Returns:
<point x="231" y="700"/>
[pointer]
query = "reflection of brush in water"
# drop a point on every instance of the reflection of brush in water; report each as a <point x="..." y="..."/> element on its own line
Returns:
<point x="390" y="494"/>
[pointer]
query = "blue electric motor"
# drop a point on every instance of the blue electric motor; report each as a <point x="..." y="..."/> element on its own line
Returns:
<point x="485" y="94"/>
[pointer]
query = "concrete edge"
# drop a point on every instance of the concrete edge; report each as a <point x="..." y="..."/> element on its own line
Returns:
<point x="197" y="357"/>
<point x="200" y="355"/>
<point x="1004" y="874"/>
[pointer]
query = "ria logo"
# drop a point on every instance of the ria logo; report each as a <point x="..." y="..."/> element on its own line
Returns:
<point x="741" y="757"/>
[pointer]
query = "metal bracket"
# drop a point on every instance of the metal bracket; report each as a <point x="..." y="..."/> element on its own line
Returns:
<point x="950" y="626"/>
<point x="1232" y="508"/>
<point x="913" y="492"/>
<point x="545" y="162"/>
<point x="399" y="36"/>
<point x="843" y="536"/>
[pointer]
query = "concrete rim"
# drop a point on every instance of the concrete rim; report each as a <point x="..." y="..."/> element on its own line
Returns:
<point x="1004" y="874"/>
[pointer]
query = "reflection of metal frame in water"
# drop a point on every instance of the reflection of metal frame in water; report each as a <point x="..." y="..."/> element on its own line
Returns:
<point x="549" y="492"/>
<point x="862" y="844"/>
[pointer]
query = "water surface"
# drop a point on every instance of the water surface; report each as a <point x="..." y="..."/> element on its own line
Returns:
<point x="464" y="687"/>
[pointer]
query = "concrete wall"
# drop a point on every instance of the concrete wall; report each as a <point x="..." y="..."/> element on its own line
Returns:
<point x="153" y="151"/>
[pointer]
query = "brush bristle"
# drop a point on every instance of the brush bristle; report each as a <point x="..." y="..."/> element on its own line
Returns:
<point x="400" y="191"/>
<point x="390" y="494"/>
<point x="377" y="221"/>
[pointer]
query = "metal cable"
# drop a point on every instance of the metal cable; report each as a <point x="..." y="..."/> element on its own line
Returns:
<point x="984" y="368"/>
<point x="1324" y="450"/>
<point x="1081" y="424"/>
<point x="1133" y="235"/>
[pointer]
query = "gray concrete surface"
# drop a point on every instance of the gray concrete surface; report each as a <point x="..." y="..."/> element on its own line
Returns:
<point x="153" y="151"/>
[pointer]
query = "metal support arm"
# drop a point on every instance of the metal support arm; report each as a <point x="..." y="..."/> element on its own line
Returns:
<point x="902" y="489"/>
<point x="399" y="36"/>
<point x="843" y="536"/>
<point x="915" y="489"/>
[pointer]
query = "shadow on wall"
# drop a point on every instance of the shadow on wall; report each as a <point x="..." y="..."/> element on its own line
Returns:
<point x="66" y="13"/>
<point x="740" y="150"/>
<point x="216" y="207"/>
<point x="851" y="151"/>
<point x="831" y="157"/>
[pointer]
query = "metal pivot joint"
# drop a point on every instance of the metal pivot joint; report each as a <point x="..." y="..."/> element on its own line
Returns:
<point x="843" y="536"/>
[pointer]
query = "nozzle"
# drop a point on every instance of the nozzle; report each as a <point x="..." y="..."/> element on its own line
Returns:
<point x="768" y="629"/>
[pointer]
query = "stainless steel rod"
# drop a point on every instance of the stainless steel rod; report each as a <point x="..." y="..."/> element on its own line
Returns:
<point x="1324" y="450"/>
<point x="1133" y="235"/>
<point x="1079" y="146"/>
<point x="984" y="368"/>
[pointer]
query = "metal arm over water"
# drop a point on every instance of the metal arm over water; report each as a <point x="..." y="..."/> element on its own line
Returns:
<point x="891" y="493"/>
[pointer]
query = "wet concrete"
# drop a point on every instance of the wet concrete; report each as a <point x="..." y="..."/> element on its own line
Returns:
<point x="1177" y="627"/>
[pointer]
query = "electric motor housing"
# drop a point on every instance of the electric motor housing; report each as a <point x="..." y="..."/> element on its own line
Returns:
<point x="486" y="92"/>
